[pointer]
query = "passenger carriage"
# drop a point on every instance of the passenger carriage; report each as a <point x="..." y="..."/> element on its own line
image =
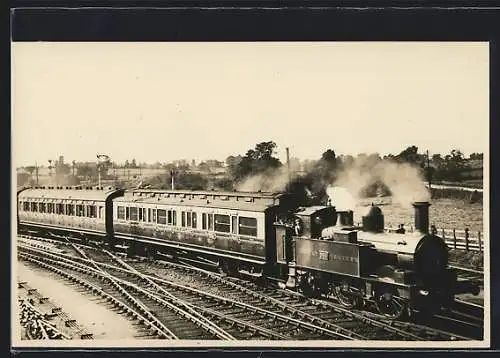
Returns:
<point x="82" y="212"/>
<point x="231" y="230"/>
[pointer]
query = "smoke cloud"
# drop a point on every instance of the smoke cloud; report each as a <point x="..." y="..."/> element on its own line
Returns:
<point x="271" y="181"/>
<point x="341" y="198"/>
<point x="402" y="179"/>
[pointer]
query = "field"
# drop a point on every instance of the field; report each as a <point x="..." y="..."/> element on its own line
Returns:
<point x="443" y="213"/>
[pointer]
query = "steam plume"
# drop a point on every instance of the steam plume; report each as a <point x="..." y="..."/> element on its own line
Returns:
<point x="402" y="179"/>
<point x="271" y="180"/>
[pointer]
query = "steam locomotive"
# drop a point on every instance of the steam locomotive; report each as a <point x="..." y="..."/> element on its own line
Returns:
<point x="314" y="249"/>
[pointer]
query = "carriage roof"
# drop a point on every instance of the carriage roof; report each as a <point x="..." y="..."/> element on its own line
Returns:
<point x="247" y="201"/>
<point x="67" y="193"/>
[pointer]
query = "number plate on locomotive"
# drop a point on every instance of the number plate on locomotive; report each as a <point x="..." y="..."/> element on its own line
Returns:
<point x="324" y="255"/>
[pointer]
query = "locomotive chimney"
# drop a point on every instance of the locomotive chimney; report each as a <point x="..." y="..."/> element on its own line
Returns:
<point x="345" y="218"/>
<point x="422" y="216"/>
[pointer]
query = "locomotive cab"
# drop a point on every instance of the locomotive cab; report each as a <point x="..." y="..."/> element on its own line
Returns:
<point x="314" y="219"/>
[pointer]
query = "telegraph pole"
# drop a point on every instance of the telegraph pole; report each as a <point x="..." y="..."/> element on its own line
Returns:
<point x="172" y="174"/>
<point x="102" y="159"/>
<point x="429" y="171"/>
<point x="36" y="172"/>
<point x="288" y="166"/>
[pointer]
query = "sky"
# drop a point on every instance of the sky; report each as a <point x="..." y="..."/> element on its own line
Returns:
<point x="167" y="101"/>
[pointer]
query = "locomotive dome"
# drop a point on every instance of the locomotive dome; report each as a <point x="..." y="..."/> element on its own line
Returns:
<point x="373" y="210"/>
<point x="373" y="221"/>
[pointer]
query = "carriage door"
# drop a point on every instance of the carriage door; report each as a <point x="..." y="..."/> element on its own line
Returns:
<point x="284" y="252"/>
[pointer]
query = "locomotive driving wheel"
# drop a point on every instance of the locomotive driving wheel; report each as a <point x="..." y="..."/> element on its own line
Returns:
<point x="389" y="303"/>
<point x="347" y="295"/>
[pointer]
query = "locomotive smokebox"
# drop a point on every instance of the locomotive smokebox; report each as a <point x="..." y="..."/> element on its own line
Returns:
<point x="345" y="218"/>
<point x="422" y="216"/>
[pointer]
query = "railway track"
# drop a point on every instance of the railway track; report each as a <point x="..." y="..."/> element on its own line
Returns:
<point x="469" y="273"/>
<point x="252" y="322"/>
<point x="466" y="319"/>
<point x="270" y="313"/>
<point x="52" y="319"/>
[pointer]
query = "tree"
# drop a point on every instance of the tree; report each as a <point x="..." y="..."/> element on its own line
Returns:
<point x="232" y="161"/>
<point x="224" y="184"/>
<point x="256" y="161"/>
<point x="191" y="181"/>
<point x="203" y="166"/>
<point x="30" y="169"/>
<point x="409" y="155"/>
<point x="455" y="163"/>
<point x="86" y="171"/>
<point x="326" y="167"/>
<point x="328" y="156"/>
<point x="133" y="164"/>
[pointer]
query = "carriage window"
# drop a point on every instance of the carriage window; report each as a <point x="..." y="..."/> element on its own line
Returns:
<point x="79" y="210"/>
<point x="133" y="214"/>
<point x="101" y="211"/>
<point x="188" y="219"/>
<point x="149" y="215"/>
<point x="154" y="215"/>
<point x="172" y="217"/>
<point x="50" y="208"/>
<point x="162" y="216"/>
<point x="26" y="206"/>
<point x="183" y="218"/>
<point x="60" y="209"/>
<point x="210" y="221"/>
<point x="204" y="221"/>
<point x="193" y="220"/>
<point x="91" y="211"/>
<point x="70" y="209"/>
<point x="127" y="213"/>
<point x="248" y="226"/>
<point x="121" y="213"/>
<point x="34" y="207"/>
<point x="42" y="207"/>
<point x="140" y="214"/>
<point x="222" y="223"/>
<point x="234" y="224"/>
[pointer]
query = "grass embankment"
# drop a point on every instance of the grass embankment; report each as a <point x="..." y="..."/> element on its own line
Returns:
<point x="472" y="259"/>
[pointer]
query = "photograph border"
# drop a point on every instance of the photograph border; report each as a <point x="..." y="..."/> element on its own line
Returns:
<point x="112" y="24"/>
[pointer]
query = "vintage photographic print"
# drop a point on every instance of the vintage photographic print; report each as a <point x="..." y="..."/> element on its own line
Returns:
<point x="277" y="194"/>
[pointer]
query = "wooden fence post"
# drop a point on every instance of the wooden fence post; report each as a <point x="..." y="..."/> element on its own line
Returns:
<point x="479" y="241"/>
<point x="466" y="239"/>
<point x="443" y="235"/>
<point x="454" y="239"/>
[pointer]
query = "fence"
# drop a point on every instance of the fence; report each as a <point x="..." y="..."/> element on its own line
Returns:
<point x="462" y="239"/>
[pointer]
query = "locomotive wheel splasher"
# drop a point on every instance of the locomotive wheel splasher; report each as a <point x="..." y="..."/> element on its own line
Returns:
<point x="348" y="295"/>
<point x="389" y="303"/>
